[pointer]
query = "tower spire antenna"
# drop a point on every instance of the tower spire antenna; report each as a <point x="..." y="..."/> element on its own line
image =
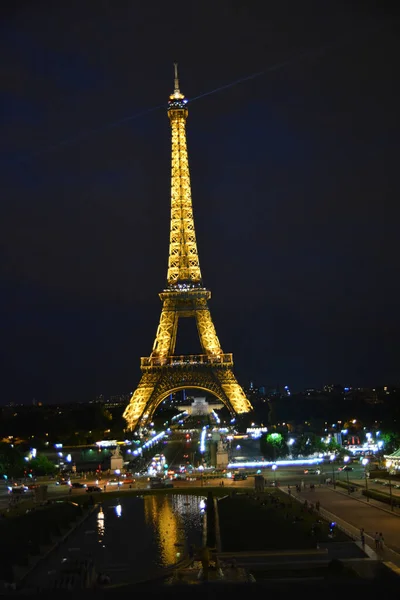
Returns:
<point x="177" y="94"/>
<point x="176" y="79"/>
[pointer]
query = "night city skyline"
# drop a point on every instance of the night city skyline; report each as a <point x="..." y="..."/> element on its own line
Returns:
<point x="294" y="186"/>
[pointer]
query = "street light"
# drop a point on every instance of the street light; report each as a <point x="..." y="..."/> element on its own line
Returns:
<point x="274" y="467"/>
<point x="348" y="485"/>
<point x="333" y="476"/>
<point x="365" y="461"/>
<point x="118" y="473"/>
<point x="391" y="496"/>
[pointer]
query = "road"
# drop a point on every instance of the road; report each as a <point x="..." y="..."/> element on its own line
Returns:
<point x="180" y="452"/>
<point x="357" y="513"/>
<point x="54" y="491"/>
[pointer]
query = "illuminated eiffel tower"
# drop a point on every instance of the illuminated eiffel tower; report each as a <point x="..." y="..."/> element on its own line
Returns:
<point x="163" y="372"/>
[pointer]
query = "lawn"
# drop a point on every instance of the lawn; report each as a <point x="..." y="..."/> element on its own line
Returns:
<point x="270" y="521"/>
<point x="22" y="535"/>
<point x="301" y="572"/>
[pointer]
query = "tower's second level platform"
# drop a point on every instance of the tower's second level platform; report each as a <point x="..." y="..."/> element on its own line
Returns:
<point x="186" y="361"/>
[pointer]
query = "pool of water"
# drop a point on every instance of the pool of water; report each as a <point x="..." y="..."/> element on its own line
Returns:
<point x="130" y="539"/>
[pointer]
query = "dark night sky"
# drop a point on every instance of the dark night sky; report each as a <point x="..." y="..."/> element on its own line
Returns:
<point x="294" y="179"/>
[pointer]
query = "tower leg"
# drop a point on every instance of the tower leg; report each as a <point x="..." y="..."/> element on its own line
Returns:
<point x="207" y="334"/>
<point x="164" y="344"/>
<point x="232" y="390"/>
<point x="136" y="409"/>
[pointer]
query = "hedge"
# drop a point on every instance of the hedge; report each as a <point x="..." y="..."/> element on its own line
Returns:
<point x="352" y="486"/>
<point x="376" y="474"/>
<point x="380" y="496"/>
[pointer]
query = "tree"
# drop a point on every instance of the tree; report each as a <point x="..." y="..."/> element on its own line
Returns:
<point x="273" y="446"/>
<point x="333" y="446"/>
<point x="11" y="460"/>
<point x="307" y="444"/>
<point x="391" y="441"/>
<point x="41" y="465"/>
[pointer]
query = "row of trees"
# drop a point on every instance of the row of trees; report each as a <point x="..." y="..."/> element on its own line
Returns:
<point x="275" y="446"/>
<point x="329" y="408"/>
<point x="13" y="463"/>
<point x="74" y="424"/>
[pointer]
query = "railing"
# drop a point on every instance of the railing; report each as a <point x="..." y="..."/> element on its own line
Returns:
<point x="185" y="360"/>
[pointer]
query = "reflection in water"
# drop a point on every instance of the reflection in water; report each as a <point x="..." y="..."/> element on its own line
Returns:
<point x="152" y="534"/>
<point x="170" y="517"/>
<point x="101" y="527"/>
<point x="150" y="510"/>
<point x="159" y="514"/>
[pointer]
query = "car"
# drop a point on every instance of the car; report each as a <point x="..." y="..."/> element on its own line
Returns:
<point x="120" y="481"/>
<point x="347" y="468"/>
<point x="158" y="483"/>
<point x="239" y="477"/>
<point x="312" y="472"/>
<point x="18" y="489"/>
<point x="78" y="485"/>
<point x="128" y="479"/>
<point x="93" y="488"/>
<point x="63" y="482"/>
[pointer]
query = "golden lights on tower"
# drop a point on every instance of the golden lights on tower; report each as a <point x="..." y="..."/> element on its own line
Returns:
<point x="164" y="373"/>
<point x="183" y="263"/>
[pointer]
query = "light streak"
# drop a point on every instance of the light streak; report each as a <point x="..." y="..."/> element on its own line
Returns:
<point x="279" y="463"/>
<point x="203" y="440"/>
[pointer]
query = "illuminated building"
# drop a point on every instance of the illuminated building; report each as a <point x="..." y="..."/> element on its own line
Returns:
<point x="163" y="372"/>
<point x="393" y="462"/>
<point x="200" y="407"/>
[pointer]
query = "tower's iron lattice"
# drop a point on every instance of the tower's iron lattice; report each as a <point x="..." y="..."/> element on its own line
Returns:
<point x="163" y="372"/>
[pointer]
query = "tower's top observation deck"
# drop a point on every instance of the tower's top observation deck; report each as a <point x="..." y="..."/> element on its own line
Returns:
<point x="177" y="100"/>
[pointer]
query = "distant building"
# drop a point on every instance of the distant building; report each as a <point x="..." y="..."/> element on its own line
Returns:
<point x="199" y="407"/>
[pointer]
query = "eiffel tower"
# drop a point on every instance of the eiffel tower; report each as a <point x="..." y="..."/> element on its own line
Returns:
<point x="163" y="372"/>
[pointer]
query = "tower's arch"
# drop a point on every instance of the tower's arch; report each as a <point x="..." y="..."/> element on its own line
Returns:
<point x="164" y="395"/>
